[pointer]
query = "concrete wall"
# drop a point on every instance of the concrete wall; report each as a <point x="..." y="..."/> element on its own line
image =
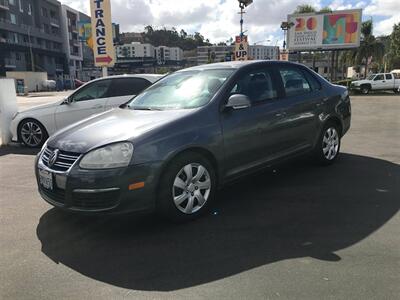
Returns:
<point x="32" y="80"/>
<point x="8" y="107"/>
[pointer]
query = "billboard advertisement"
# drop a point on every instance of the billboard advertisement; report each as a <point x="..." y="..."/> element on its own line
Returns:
<point x="322" y="31"/>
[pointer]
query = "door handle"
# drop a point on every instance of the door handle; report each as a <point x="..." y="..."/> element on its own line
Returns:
<point x="383" y="81"/>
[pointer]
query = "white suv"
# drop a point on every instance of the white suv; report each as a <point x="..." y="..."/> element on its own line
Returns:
<point x="33" y="126"/>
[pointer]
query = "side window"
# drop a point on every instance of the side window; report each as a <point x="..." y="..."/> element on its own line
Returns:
<point x="95" y="90"/>
<point x="257" y="85"/>
<point x="379" y="77"/>
<point x="315" y="84"/>
<point x="388" y="76"/>
<point x="127" y="86"/>
<point x="294" y="81"/>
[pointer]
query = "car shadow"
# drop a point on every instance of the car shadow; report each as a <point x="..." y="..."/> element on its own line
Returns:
<point x="294" y="211"/>
<point x="18" y="149"/>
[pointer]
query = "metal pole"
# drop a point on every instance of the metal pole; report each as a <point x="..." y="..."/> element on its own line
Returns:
<point x="30" y="50"/>
<point x="104" y="71"/>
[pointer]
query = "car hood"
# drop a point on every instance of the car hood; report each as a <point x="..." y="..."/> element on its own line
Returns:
<point x="359" y="82"/>
<point x="43" y="106"/>
<point x="111" y="126"/>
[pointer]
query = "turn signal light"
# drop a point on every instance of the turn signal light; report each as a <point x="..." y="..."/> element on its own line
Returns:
<point x="135" y="186"/>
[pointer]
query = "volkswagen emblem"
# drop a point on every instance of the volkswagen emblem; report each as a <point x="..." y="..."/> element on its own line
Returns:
<point x="53" y="157"/>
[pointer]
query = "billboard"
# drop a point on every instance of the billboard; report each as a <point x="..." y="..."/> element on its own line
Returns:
<point x="241" y="48"/>
<point x="322" y="31"/>
<point x="102" y="34"/>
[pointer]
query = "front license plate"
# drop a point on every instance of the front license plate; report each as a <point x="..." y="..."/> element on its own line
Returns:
<point x="46" y="179"/>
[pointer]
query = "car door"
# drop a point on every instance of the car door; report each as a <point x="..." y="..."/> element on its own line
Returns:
<point x="90" y="99"/>
<point x="389" y="82"/>
<point x="303" y="102"/>
<point x="123" y="89"/>
<point x="379" y="82"/>
<point x="252" y="135"/>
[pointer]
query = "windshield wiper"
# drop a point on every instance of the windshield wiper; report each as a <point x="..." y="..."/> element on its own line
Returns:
<point x="145" y="108"/>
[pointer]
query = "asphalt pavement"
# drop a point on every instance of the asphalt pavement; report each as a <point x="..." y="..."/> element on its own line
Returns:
<point x="295" y="231"/>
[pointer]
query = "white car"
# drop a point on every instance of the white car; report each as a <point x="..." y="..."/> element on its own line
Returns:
<point x="377" y="82"/>
<point x="33" y="126"/>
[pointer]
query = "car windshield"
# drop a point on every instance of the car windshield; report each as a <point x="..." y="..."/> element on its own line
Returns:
<point x="370" y="77"/>
<point x="181" y="90"/>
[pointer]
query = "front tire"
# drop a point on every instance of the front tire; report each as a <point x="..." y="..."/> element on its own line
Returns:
<point x="32" y="133"/>
<point x="365" y="90"/>
<point x="327" y="148"/>
<point x="187" y="188"/>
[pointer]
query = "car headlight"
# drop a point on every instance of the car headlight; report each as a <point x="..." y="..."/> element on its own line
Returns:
<point x="107" y="157"/>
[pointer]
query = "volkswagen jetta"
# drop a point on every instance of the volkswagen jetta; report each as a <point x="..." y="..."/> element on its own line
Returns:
<point x="173" y="145"/>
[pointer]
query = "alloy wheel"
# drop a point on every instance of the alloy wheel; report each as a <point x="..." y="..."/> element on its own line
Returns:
<point x="191" y="188"/>
<point x="31" y="134"/>
<point x="330" y="143"/>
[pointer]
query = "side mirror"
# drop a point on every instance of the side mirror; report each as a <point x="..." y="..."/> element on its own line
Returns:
<point x="67" y="100"/>
<point x="238" y="101"/>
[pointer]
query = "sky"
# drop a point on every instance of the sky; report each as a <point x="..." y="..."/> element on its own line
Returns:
<point x="218" y="20"/>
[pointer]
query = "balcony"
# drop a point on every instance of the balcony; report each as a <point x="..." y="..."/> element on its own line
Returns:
<point x="4" y="5"/>
<point x="54" y="22"/>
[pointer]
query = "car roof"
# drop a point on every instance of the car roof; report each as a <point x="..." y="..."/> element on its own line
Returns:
<point x="237" y="64"/>
<point x="150" y="77"/>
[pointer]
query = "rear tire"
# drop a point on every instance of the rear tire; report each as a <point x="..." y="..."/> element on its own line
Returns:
<point x="187" y="188"/>
<point x="32" y="133"/>
<point x="327" y="148"/>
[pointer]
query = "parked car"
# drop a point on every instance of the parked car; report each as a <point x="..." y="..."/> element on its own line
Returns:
<point x="377" y="82"/>
<point x="33" y="126"/>
<point x="191" y="132"/>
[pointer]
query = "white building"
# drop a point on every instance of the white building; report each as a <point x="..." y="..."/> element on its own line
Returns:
<point x="72" y="45"/>
<point x="135" y="50"/>
<point x="207" y="54"/>
<point x="165" y="54"/>
<point x="263" y="52"/>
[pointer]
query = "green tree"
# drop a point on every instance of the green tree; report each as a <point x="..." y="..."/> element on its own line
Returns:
<point x="394" y="48"/>
<point x="304" y="8"/>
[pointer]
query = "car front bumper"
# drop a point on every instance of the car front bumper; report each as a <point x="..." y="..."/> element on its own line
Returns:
<point x="107" y="191"/>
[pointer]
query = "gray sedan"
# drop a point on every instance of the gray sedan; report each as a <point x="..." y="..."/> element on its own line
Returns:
<point x="173" y="145"/>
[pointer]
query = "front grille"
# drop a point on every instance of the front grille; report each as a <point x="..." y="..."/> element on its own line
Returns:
<point x="103" y="200"/>
<point x="57" y="195"/>
<point x="64" y="159"/>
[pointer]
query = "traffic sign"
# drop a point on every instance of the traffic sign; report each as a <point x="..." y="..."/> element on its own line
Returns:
<point x="102" y="35"/>
<point x="241" y="48"/>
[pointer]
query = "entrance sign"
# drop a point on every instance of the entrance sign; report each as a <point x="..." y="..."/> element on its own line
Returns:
<point x="102" y="35"/>
<point x="241" y="48"/>
<point x="320" y="31"/>
<point x="284" y="55"/>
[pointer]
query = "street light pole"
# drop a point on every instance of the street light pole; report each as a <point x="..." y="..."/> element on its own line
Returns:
<point x="242" y="5"/>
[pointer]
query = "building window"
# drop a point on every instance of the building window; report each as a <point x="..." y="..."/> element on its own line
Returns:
<point x="17" y="56"/>
<point x="13" y="19"/>
<point x="29" y="9"/>
<point x="21" y="8"/>
<point x="15" y="38"/>
<point x="12" y="2"/>
<point x="44" y="12"/>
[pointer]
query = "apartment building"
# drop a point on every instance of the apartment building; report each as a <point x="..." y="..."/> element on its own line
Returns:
<point x="72" y="45"/>
<point x="30" y="37"/>
<point x="263" y="52"/>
